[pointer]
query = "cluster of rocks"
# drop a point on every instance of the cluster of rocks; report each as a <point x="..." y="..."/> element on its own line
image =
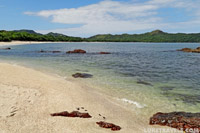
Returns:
<point x="179" y="120"/>
<point x="197" y="50"/>
<point x="80" y="51"/>
<point x="76" y="51"/>
<point x="102" y="124"/>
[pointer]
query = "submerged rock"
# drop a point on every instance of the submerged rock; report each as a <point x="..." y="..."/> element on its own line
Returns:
<point x="72" y="114"/>
<point x="197" y="50"/>
<point x="179" y="120"/>
<point x="82" y="75"/>
<point x="144" y="83"/>
<point x="167" y="88"/>
<point x="77" y="51"/>
<point x="112" y="126"/>
<point x="104" y="53"/>
<point x="190" y="99"/>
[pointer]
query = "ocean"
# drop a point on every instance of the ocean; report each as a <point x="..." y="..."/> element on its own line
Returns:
<point x="145" y="77"/>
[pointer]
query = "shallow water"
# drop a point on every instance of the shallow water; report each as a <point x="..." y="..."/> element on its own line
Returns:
<point x="147" y="77"/>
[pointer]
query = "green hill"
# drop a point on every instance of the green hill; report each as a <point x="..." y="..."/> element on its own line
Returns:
<point x="29" y="35"/>
<point x="154" y="36"/>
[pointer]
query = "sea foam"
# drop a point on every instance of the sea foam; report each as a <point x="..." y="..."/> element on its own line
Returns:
<point x="138" y="105"/>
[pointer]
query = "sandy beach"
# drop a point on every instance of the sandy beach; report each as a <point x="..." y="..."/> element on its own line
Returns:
<point x="28" y="97"/>
<point x="22" y="43"/>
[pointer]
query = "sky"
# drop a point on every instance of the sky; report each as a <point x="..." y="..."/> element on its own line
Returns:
<point x="86" y="18"/>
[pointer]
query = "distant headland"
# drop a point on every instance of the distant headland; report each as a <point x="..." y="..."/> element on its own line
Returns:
<point x="154" y="36"/>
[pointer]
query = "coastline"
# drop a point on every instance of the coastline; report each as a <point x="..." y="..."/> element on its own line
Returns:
<point x="22" y="43"/>
<point x="28" y="97"/>
<point x="12" y="43"/>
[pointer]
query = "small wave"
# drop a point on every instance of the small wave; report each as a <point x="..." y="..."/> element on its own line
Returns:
<point x="138" y="105"/>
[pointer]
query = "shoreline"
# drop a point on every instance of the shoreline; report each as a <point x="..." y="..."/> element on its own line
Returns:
<point x="39" y="94"/>
<point x="13" y="43"/>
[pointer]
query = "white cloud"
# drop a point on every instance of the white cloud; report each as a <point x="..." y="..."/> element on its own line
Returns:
<point x="113" y="17"/>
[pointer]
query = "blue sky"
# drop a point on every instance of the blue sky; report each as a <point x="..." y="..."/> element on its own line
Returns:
<point x="89" y="17"/>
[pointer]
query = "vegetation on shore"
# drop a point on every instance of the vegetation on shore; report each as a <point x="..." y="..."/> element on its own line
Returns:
<point x="29" y="35"/>
<point x="154" y="36"/>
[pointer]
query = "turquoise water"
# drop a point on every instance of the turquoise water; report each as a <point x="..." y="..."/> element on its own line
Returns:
<point x="171" y="77"/>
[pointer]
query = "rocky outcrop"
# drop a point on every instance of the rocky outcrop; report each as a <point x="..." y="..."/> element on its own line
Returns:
<point x="104" y="53"/>
<point x="72" y="114"/>
<point x="82" y="75"/>
<point x="197" y="50"/>
<point x="179" y="120"/>
<point x="112" y="126"/>
<point x="77" y="51"/>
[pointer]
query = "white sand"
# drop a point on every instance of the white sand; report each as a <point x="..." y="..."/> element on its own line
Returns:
<point x="21" y="43"/>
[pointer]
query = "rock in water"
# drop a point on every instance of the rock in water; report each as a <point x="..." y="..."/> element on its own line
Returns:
<point x="197" y="50"/>
<point x="112" y="126"/>
<point x="82" y="75"/>
<point x="179" y="120"/>
<point x="77" y="51"/>
<point x="6" y="48"/>
<point x="104" y="53"/>
<point x="72" y="114"/>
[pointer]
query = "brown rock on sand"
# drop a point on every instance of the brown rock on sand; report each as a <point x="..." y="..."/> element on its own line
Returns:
<point x="72" y="114"/>
<point x="112" y="126"/>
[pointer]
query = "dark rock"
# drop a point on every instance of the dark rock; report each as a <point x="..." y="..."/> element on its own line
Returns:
<point x="179" y="120"/>
<point x="56" y="51"/>
<point x="82" y="75"/>
<point x="77" y="51"/>
<point x="5" y="48"/>
<point x="104" y="53"/>
<point x="43" y="51"/>
<point x="198" y="48"/>
<point x="72" y="114"/>
<point x="112" y="126"/>
<point x="144" y="83"/>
